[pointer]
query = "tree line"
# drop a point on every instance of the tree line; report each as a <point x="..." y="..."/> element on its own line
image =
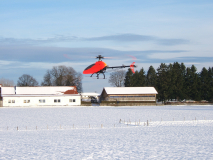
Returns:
<point x="57" y="76"/>
<point x="174" y="81"/>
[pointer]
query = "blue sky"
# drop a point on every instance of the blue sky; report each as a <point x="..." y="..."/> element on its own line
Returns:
<point x="35" y="35"/>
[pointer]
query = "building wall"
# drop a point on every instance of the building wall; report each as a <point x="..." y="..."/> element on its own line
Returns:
<point x="41" y="101"/>
<point x="151" y="103"/>
<point x="135" y="97"/>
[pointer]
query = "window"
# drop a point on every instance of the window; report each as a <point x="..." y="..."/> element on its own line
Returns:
<point x="26" y="101"/>
<point x="11" y="101"/>
<point x="71" y="100"/>
<point x="90" y="66"/>
<point x="57" y="100"/>
<point x="41" y="100"/>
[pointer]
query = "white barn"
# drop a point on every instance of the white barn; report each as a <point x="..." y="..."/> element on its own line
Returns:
<point x="39" y="96"/>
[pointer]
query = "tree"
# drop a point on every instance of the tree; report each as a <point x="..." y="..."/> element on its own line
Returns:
<point x="205" y="84"/>
<point x="163" y="81"/>
<point x="151" y="77"/>
<point x="177" y="81"/>
<point x="117" y="78"/>
<point x="63" y="76"/>
<point x="135" y="79"/>
<point x="182" y="93"/>
<point x="27" y="80"/>
<point x="48" y="81"/>
<point x="6" y="82"/>
<point x="141" y="78"/>
<point x="210" y="77"/>
<point x="128" y="81"/>
<point x="192" y="83"/>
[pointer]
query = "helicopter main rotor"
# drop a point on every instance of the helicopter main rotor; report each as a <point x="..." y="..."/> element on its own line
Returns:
<point x="99" y="57"/>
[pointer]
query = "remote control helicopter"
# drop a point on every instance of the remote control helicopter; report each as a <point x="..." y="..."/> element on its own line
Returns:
<point x="100" y="67"/>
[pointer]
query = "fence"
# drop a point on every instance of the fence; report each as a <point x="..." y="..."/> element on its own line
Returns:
<point x="121" y="124"/>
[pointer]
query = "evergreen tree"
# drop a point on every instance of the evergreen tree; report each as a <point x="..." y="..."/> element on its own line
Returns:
<point x="151" y="77"/>
<point x="196" y="88"/>
<point x="138" y="79"/>
<point x="188" y="83"/>
<point x="177" y="81"/>
<point x="210" y="77"/>
<point x="183" y="73"/>
<point x="192" y="84"/>
<point x="128" y="78"/>
<point x="135" y="80"/>
<point x="205" y="84"/>
<point x="163" y="80"/>
<point x="141" y="78"/>
<point x="170" y="82"/>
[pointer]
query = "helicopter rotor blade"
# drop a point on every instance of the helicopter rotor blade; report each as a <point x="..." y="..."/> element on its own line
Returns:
<point x="109" y="57"/>
<point x="133" y="57"/>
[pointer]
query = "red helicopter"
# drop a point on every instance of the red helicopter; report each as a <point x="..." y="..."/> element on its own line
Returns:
<point x="100" y="67"/>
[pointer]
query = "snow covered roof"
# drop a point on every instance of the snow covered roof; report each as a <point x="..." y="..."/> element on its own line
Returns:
<point x="90" y="94"/>
<point x="44" y="90"/>
<point x="130" y="90"/>
<point x="37" y="95"/>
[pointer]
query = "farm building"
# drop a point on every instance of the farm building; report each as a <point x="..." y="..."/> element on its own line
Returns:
<point x="39" y="96"/>
<point x="128" y="96"/>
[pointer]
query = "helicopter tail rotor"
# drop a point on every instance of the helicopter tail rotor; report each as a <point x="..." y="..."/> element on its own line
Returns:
<point x="132" y="67"/>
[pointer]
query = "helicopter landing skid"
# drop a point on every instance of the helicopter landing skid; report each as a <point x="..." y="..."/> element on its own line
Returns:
<point x="99" y="78"/>
<point x="98" y="75"/>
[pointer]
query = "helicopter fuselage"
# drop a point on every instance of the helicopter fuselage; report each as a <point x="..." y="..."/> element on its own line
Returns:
<point x="95" y="67"/>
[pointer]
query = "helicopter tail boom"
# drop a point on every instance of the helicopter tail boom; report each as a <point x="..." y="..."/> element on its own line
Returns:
<point x="131" y="66"/>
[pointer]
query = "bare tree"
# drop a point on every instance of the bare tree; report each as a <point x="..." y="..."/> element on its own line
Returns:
<point x="117" y="78"/>
<point x="27" y="80"/>
<point x="62" y="76"/>
<point x="6" y="82"/>
<point x="48" y="80"/>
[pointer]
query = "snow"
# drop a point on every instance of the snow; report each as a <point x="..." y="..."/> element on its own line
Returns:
<point x="44" y="90"/>
<point x="130" y="90"/>
<point x="173" y="132"/>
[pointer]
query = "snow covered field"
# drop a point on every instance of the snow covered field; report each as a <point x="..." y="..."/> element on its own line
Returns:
<point x="174" y="132"/>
